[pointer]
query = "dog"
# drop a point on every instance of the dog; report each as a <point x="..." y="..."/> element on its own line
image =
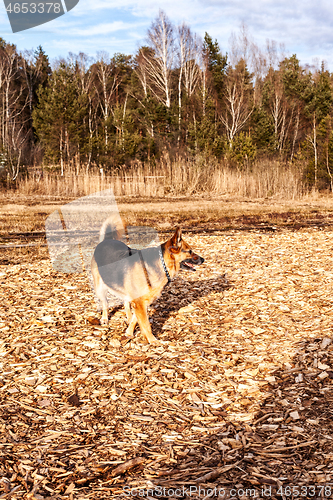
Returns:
<point x="137" y="277"/>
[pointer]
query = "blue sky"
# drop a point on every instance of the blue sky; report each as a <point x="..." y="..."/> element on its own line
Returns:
<point x="304" y="26"/>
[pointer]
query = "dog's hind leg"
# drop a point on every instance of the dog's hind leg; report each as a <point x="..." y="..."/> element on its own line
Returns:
<point x="102" y="292"/>
<point x="128" y="311"/>
<point x="140" y="312"/>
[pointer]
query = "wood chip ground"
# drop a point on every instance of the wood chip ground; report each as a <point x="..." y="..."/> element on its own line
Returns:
<point x="237" y="396"/>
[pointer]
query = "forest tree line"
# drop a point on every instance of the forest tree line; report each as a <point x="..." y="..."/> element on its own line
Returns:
<point x="178" y="93"/>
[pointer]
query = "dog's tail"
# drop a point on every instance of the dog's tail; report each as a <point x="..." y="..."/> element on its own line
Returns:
<point x="112" y="228"/>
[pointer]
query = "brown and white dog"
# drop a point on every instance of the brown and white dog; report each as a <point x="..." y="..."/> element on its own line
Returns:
<point x="137" y="277"/>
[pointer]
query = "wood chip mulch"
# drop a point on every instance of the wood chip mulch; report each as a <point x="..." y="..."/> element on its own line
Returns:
<point x="237" y="396"/>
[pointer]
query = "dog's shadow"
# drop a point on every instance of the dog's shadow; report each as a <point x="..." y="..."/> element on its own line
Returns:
<point x="180" y="294"/>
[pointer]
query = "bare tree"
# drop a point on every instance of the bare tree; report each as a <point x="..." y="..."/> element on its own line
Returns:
<point x="141" y="71"/>
<point x="17" y="140"/>
<point x="277" y="102"/>
<point x="107" y="84"/>
<point x="274" y="53"/>
<point x="239" y="96"/>
<point x="14" y="127"/>
<point x="80" y="64"/>
<point x="278" y="106"/>
<point x="203" y="65"/>
<point x="190" y="56"/>
<point x="327" y="151"/>
<point x="30" y="74"/>
<point x="159" y="63"/>
<point x="189" y="52"/>
<point x="312" y="138"/>
<point x="240" y="46"/>
<point x="238" y="100"/>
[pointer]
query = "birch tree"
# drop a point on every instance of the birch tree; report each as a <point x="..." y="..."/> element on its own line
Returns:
<point x="275" y="99"/>
<point x="189" y="52"/>
<point x="158" y="64"/>
<point x="106" y="84"/>
<point x="238" y="100"/>
<point x="144" y="54"/>
<point x="14" y="105"/>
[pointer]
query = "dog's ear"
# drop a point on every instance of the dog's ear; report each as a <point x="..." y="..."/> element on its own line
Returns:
<point x="176" y="240"/>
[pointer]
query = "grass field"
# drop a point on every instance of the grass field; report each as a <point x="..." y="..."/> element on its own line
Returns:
<point x="23" y="213"/>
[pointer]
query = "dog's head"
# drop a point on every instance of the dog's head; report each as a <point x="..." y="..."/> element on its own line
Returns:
<point x="182" y="253"/>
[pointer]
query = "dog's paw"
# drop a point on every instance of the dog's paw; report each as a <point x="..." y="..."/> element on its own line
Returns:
<point x="129" y="332"/>
<point x="125" y="340"/>
<point x="153" y="341"/>
<point x="104" y="322"/>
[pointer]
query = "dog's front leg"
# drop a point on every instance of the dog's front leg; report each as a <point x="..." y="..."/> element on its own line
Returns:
<point x="101" y="291"/>
<point x="143" y="320"/>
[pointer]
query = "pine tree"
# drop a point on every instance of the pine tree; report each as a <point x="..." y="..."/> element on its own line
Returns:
<point x="58" y="118"/>
<point x="216" y="64"/>
<point x="318" y="104"/>
<point x="36" y="72"/>
<point x="295" y="81"/>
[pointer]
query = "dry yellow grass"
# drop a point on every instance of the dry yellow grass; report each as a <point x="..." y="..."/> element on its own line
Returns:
<point x="198" y="194"/>
<point x="179" y="177"/>
<point x="199" y="213"/>
<point x="28" y="213"/>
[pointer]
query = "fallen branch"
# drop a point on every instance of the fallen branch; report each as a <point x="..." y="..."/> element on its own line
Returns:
<point x="127" y="465"/>
<point x="215" y="473"/>
<point x="300" y="445"/>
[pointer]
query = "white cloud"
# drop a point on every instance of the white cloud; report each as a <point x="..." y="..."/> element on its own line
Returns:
<point x="103" y="29"/>
<point x="304" y="26"/>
